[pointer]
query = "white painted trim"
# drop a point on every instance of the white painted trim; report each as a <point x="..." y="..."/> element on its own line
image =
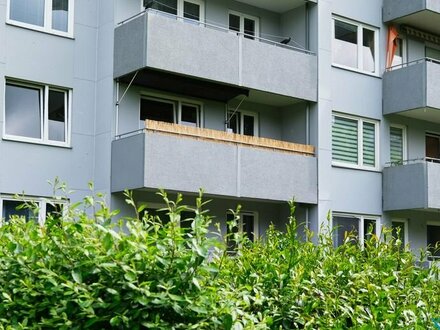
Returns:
<point x="256" y="224"/>
<point x="362" y="218"/>
<point x="241" y="113"/>
<point x="47" y="27"/>
<point x="242" y="17"/>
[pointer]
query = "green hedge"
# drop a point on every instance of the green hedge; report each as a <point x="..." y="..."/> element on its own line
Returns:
<point x="86" y="272"/>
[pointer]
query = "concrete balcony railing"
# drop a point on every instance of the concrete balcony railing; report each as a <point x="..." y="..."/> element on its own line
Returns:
<point x="160" y="41"/>
<point x="413" y="89"/>
<point x="184" y="159"/>
<point x="422" y="14"/>
<point x="412" y="185"/>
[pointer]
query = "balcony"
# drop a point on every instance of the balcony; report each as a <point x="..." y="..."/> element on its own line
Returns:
<point x="155" y="42"/>
<point x="413" y="90"/>
<point x="279" y="6"/>
<point x="421" y="14"/>
<point x="184" y="159"/>
<point x="412" y="185"/>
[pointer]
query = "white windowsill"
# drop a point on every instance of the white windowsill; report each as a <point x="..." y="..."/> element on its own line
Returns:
<point x="348" y="68"/>
<point x="355" y="167"/>
<point x="37" y="141"/>
<point x="40" y="29"/>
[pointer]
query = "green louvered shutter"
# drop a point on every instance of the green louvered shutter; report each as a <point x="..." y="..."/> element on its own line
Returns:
<point x="369" y="143"/>
<point x="396" y="145"/>
<point x="345" y="140"/>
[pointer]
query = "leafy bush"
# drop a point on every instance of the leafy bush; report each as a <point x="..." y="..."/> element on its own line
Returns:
<point x="82" y="271"/>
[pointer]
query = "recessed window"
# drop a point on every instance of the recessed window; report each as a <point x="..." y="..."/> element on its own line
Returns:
<point x="53" y="16"/>
<point x="399" y="231"/>
<point x="243" y="122"/>
<point x="360" y="227"/>
<point x="433" y="240"/>
<point x="246" y="225"/>
<point x="354" y="142"/>
<point x="36" y="113"/>
<point x="169" y="111"/>
<point x="355" y="46"/>
<point x="397" y="144"/>
<point x="244" y="24"/>
<point x="432" y="147"/>
<point x="189" y="9"/>
<point x="400" y="54"/>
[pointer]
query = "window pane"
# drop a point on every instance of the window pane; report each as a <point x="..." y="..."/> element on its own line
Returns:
<point x="345" y="140"/>
<point x="27" y="11"/>
<point x="57" y="116"/>
<point x="189" y="115"/>
<point x="369" y="228"/>
<point x="10" y="209"/>
<point x="23" y="113"/>
<point x="167" y="6"/>
<point x="342" y="226"/>
<point x="433" y="237"/>
<point x="248" y="226"/>
<point x="157" y="110"/>
<point x="234" y="22"/>
<point x="432" y="146"/>
<point x="398" y="55"/>
<point x="368" y="50"/>
<point x="249" y="125"/>
<point x="249" y="28"/>
<point x="369" y="141"/>
<point x="396" y="145"/>
<point x="191" y="10"/>
<point x="398" y="232"/>
<point x="60" y="15"/>
<point x="234" y="122"/>
<point x="345" y="50"/>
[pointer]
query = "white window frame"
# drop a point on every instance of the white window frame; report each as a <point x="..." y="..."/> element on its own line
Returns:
<point x="242" y="17"/>
<point x="431" y="223"/>
<point x="243" y="113"/>
<point x="405" y="228"/>
<point x="177" y="107"/>
<point x="404" y="140"/>
<point x="180" y="7"/>
<point x="47" y="27"/>
<point x="240" y="222"/>
<point x="44" y="106"/>
<point x="41" y="202"/>
<point x="361" y="218"/>
<point x="360" y="60"/>
<point x="404" y="54"/>
<point x="359" y="165"/>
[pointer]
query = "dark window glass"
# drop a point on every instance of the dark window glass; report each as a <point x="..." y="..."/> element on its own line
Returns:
<point x="23" y="111"/>
<point x="345" y="50"/>
<point x="234" y="22"/>
<point x="60" y="15"/>
<point x="234" y="122"/>
<point x="191" y="10"/>
<point x="189" y="115"/>
<point x="432" y="146"/>
<point x="368" y="50"/>
<point x="57" y="116"/>
<point x="167" y="6"/>
<point x="433" y="236"/>
<point x="248" y="125"/>
<point x="248" y="226"/>
<point x="249" y="28"/>
<point x="157" y="110"/>
<point x="27" y="11"/>
<point x="342" y="227"/>
<point x="10" y="209"/>
<point x="369" y="228"/>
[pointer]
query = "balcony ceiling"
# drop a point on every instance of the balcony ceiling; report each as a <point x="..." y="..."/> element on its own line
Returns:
<point x="278" y="6"/>
<point x="426" y="114"/>
<point x="424" y="20"/>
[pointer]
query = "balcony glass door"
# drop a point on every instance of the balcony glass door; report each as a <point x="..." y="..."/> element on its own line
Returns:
<point x="432" y="150"/>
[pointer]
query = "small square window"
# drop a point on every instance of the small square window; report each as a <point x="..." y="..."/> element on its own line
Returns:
<point x="36" y="113"/>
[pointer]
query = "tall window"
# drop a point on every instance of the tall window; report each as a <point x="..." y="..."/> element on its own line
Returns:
<point x="359" y="226"/>
<point x="189" y="9"/>
<point x="243" y="122"/>
<point x="246" y="225"/>
<point x="432" y="147"/>
<point x="397" y="144"/>
<point x="433" y="240"/>
<point x="354" y="142"/>
<point x="54" y="16"/>
<point x="244" y="24"/>
<point x="170" y="111"/>
<point x="400" y="54"/>
<point x="355" y="46"/>
<point x="400" y="231"/>
<point x="37" y="113"/>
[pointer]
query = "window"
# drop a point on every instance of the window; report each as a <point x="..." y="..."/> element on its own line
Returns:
<point x="189" y="9"/>
<point x="37" y="113"/>
<point x="10" y="207"/>
<point x="397" y="144"/>
<point x="355" y="46"/>
<point x="399" y="230"/>
<point x="243" y="122"/>
<point x="354" y="142"/>
<point x="432" y="146"/>
<point x="246" y="224"/>
<point x="432" y="53"/>
<point x="170" y="111"/>
<point x="433" y="240"/>
<point x="400" y="54"/>
<point x="244" y="24"/>
<point x="53" y="16"/>
<point x="362" y="227"/>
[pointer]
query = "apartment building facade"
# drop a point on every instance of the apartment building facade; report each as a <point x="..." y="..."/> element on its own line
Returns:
<point x="330" y="102"/>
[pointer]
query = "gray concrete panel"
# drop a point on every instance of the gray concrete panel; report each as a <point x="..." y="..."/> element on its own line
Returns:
<point x="433" y="85"/>
<point x="433" y="186"/>
<point x="393" y="9"/>
<point x="405" y="187"/>
<point x="127" y="165"/>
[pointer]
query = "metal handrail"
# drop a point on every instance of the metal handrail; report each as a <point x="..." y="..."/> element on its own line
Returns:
<point x="406" y="64"/>
<point x="413" y="161"/>
<point x="215" y="27"/>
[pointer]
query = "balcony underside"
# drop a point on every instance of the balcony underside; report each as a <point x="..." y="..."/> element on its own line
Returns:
<point x="279" y="6"/>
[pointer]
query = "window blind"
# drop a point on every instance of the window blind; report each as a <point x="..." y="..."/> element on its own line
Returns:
<point x="369" y="142"/>
<point x="396" y="145"/>
<point x="345" y="140"/>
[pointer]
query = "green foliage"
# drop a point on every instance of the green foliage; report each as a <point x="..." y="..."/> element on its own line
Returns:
<point x="83" y="270"/>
